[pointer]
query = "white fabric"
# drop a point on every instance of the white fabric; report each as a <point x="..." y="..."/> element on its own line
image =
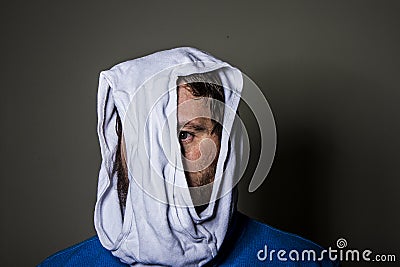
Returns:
<point x="160" y="226"/>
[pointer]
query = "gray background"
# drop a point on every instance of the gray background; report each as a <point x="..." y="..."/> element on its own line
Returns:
<point x="329" y="69"/>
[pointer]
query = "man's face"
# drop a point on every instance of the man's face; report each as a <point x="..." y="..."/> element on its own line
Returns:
<point x="200" y="143"/>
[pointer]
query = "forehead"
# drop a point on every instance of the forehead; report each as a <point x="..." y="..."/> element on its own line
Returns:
<point x="191" y="107"/>
<point x="184" y="94"/>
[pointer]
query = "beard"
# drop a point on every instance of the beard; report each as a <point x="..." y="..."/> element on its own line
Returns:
<point x="200" y="186"/>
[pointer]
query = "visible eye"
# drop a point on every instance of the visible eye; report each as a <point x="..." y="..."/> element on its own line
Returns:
<point x="185" y="136"/>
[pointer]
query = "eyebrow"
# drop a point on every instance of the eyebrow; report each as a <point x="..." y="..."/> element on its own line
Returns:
<point x="192" y="126"/>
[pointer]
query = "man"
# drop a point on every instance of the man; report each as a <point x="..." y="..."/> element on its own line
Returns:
<point x="172" y="150"/>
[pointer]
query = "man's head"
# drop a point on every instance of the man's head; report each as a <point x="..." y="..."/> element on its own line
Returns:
<point x="199" y="114"/>
<point x="146" y="92"/>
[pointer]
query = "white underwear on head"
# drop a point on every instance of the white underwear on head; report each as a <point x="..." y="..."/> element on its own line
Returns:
<point x="160" y="226"/>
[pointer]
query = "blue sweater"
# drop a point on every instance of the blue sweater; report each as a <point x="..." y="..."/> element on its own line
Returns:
<point x="248" y="243"/>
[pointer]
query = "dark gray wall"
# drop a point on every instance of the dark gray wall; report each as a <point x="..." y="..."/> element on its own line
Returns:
<point x="329" y="69"/>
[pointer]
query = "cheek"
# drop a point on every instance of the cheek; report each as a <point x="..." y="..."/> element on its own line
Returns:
<point x="217" y="143"/>
<point x="202" y="152"/>
<point x="191" y="151"/>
